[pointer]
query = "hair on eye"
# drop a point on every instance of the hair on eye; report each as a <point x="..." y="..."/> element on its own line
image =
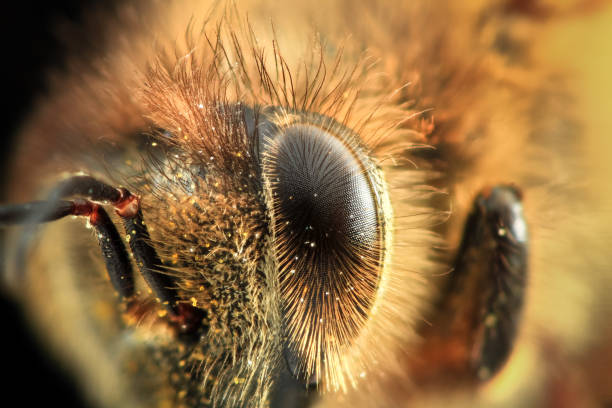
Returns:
<point x="228" y="116"/>
<point x="330" y="235"/>
<point x="290" y="194"/>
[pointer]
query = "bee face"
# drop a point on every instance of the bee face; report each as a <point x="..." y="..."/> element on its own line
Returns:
<point x="295" y="209"/>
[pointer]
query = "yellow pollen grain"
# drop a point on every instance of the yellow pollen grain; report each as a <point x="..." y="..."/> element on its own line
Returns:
<point x="194" y="301"/>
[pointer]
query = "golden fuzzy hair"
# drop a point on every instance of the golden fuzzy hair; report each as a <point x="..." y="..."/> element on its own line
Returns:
<point x="444" y="99"/>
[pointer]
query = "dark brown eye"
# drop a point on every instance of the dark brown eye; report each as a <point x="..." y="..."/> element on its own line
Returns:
<point x="328" y="226"/>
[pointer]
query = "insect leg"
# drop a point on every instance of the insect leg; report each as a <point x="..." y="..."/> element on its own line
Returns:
<point x="151" y="267"/>
<point x="114" y="253"/>
<point x="493" y="255"/>
<point x="481" y="307"/>
<point x="156" y="275"/>
<point x="127" y="206"/>
<point x="14" y="214"/>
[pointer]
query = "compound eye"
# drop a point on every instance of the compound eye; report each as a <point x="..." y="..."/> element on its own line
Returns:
<point x="328" y="228"/>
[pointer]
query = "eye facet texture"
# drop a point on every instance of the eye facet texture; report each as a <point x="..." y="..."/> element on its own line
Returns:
<point x="328" y="236"/>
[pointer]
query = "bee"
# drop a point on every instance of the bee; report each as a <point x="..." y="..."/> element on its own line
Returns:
<point x="337" y="204"/>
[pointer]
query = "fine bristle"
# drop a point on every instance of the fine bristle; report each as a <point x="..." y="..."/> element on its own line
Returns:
<point x="199" y="99"/>
<point x="219" y="114"/>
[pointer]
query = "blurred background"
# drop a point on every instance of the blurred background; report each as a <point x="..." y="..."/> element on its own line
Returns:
<point x="30" y="49"/>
